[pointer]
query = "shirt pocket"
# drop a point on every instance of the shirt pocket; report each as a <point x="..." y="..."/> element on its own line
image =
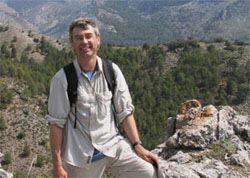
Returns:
<point x="104" y="104"/>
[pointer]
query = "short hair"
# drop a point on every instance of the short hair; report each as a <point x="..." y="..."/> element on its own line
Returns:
<point x="82" y="23"/>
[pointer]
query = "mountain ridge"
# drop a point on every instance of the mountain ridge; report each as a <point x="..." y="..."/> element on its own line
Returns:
<point x="141" y="21"/>
<point x="8" y="16"/>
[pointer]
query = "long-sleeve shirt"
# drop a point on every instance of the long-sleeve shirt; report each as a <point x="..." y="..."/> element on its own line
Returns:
<point x="95" y="128"/>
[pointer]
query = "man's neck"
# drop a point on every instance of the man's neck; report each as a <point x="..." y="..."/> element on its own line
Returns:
<point x="87" y="63"/>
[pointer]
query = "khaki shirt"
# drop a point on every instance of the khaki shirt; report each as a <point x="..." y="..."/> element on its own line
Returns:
<point x="95" y="128"/>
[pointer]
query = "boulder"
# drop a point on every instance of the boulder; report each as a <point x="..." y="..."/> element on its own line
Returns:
<point x="205" y="142"/>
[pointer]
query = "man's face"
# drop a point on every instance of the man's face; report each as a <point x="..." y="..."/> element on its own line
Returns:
<point x="85" y="42"/>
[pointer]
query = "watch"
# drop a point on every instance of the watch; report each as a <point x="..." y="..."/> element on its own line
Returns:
<point x="136" y="143"/>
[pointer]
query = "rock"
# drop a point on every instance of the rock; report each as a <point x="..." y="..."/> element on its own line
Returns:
<point x="181" y="157"/>
<point x="241" y="126"/>
<point x="5" y="174"/>
<point x="185" y="152"/>
<point x="173" y="142"/>
<point x="175" y="170"/>
<point x="1" y="158"/>
<point x="159" y="149"/>
<point x="225" y="130"/>
<point x="182" y="166"/>
<point x="171" y="123"/>
<point x="241" y="158"/>
<point x="195" y="128"/>
<point x="209" y="168"/>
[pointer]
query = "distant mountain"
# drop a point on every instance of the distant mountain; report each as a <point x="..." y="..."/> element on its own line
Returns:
<point x="140" y="21"/>
<point x="8" y="16"/>
<point x="26" y="42"/>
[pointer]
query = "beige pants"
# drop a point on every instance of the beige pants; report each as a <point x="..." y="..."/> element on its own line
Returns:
<point x="126" y="165"/>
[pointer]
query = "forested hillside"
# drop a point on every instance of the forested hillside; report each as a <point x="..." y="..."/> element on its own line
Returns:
<point x="135" y="21"/>
<point x="160" y="77"/>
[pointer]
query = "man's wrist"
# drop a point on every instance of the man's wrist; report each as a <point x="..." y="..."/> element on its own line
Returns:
<point x="139" y="142"/>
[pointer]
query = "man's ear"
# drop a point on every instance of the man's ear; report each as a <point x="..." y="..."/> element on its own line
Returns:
<point x="99" y="41"/>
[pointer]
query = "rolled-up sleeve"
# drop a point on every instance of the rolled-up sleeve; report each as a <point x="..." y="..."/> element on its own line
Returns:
<point x="122" y="99"/>
<point x="58" y="102"/>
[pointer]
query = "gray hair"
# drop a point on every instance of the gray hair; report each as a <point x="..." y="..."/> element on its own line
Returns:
<point x="82" y="23"/>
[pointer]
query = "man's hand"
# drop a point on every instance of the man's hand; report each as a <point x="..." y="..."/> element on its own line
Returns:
<point x="130" y="128"/>
<point x="59" y="172"/>
<point x="146" y="155"/>
<point x="55" y="144"/>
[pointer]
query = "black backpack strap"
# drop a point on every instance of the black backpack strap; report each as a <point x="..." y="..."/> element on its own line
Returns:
<point x="110" y="78"/>
<point x="72" y="80"/>
<point x="109" y="74"/>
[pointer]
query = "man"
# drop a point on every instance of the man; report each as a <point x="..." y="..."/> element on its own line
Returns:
<point x="95" y="144"/>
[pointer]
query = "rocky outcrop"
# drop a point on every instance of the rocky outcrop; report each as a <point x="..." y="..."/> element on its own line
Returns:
<point x="205" y="142"/>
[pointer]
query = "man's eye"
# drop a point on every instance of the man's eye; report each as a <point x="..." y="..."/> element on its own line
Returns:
<point x="79" y="38"/>
<point x="88" y="36"/>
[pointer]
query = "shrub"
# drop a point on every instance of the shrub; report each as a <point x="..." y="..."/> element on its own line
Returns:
<point x="43" y="142"/>
<point x="21" y="135"/>
<point x="26" y="150"/>
<point x="5" y="98"/>
<point x="219" y="40"/>
<point x="40" y="160"/>
<point x="8" y="158"/>
<point x="220" y="148"/>
<point x="20" y="174"/>
<point x="2" y="123"/>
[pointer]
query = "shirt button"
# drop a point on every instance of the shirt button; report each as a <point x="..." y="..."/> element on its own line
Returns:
<point x="84" y="114"/>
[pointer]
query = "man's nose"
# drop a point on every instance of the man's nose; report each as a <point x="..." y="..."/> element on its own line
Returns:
<point x="84" y="40"/>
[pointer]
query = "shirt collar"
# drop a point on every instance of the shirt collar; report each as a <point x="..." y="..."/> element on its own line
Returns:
<point x="98" y="66"/>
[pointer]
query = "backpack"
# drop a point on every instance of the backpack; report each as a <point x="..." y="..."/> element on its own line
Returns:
<point x="72" y="80"/>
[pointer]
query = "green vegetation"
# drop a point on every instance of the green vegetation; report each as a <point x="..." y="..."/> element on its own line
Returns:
<point x="2" y="123"/>
<point x="20" y="174"/>
<point x="220" y="149"/>
<point x="20" y="135"/>
<point x="4" y="28"/>
<point x="8" y="158"/>
<point x="41" y="160"/>
<point x="210" y="74"/>
<point x="35" y="76"/>
<point x="26" y="150"/>
<point x="213" y="76"/>
<point x="5" y="95"/>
